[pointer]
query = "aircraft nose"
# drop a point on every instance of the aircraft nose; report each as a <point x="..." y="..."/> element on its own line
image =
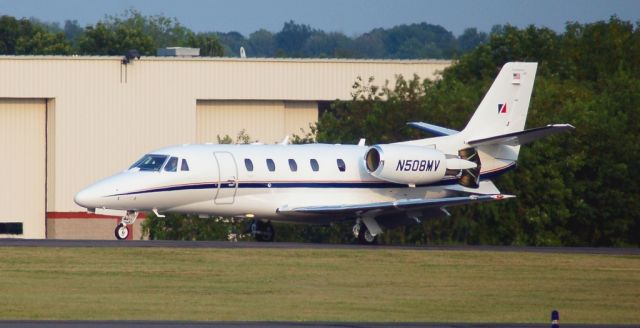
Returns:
<point x="87" y="197"/>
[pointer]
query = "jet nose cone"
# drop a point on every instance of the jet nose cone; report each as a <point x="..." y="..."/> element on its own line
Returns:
<point x="87" y="198"/>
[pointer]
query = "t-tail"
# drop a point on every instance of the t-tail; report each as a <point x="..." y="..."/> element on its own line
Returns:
<point x="493" y="135"/>
<point x="497" y="126"/>
<point x="503" y="109"/>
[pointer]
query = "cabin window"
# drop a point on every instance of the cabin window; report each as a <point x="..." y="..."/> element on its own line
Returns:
<point x="293" y="165"/>
<point x="314" y="165"/>
<point x="248" y="164"/>
<point x="150" y="162"/>
<point x="172" y="165"/>
<point x="271" y="165"/>
<point x="341" y="166"/>
<point x="184" y="166"/>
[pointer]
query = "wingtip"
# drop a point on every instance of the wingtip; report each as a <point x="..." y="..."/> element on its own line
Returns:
<point x="502" y="196"/>
<point x="563" y="125"/>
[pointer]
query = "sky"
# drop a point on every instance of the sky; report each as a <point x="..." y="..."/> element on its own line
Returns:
<point x="351" y="17"/>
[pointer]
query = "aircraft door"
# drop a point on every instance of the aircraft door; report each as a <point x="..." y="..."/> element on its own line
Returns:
<point x="227" y="178"/>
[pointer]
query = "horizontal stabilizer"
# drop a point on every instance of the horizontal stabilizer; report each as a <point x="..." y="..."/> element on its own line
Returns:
<point x="379" y="207"/>
<point x="522" y="137"/>
<point x="434" y="129"/>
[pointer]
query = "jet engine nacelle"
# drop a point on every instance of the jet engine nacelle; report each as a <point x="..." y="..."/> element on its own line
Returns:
<point x="406" y="164"/>
<point x="413" y="165"/>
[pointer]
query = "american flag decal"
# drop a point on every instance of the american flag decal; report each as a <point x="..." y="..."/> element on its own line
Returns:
<point x="516" y="78"/>
<point x="502" y="108"/>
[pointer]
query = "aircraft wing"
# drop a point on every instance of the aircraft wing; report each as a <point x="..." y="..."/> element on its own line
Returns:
<point x="398" y="205"/>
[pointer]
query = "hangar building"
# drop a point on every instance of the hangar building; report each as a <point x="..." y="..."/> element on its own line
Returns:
<point x="66" y="122"/>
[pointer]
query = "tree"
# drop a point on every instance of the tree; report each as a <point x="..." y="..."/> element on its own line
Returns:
<point x="73" y="32"/>
<point x="262" y="44"/>
<point x="231" y="42"/>
<point x="470" y="39"/>
<point x="333" y="45"/>
<point x="369" y="45"/>
<point x="24" y="37"/>
<point x="112" y="40"/>
<point x="292" y="38"/>
<point x="208" y="44"/>
<point x="400" y="39"/>
<point x="115" y="35"/>
<point x="191" y="227"/>
<point x="403" y="41"/>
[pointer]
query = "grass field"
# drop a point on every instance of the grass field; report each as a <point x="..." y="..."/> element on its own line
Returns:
<point x="316" y="285"/>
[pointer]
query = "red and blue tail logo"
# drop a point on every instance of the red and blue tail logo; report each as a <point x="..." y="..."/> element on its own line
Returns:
<point x="502" y="108"/>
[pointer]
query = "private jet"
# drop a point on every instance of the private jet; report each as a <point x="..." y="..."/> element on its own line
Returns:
<point x="377" y="187"/>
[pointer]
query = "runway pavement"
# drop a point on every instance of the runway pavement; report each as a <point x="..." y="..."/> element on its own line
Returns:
<point x="182" y="324"/>
<point x="278" y="245"/>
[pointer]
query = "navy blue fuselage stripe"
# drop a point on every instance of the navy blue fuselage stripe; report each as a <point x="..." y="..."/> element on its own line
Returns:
<point x="260" y="185"/>
<point x="173" y="188"/>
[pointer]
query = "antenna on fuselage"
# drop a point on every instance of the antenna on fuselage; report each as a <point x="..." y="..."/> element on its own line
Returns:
<point x="362" y="141"/>
<point x="285" y="141"/>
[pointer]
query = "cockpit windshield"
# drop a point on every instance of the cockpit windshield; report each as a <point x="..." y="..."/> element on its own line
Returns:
<point x="150" y="162"/>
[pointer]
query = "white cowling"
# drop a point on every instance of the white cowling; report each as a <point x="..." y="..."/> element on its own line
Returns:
<point x="412" y="165"/>
<point x="405" y="164"/>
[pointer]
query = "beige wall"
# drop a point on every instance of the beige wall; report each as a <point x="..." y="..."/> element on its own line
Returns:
<point x="105" y="115"/>
<point x="267" y="121"/>
<point x="298" y="116"/>
<point x="22" y="141"/>
<point x="89" y="228"/>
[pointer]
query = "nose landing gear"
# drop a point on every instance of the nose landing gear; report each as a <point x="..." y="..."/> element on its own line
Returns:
<point x="122" y="231"/>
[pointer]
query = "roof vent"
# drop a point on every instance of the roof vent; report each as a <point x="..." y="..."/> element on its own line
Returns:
<point x="178" y="52"/>
<point x="130" y="55"/>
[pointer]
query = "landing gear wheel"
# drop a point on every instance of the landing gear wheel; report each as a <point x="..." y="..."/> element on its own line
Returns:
<point x="365" y="237"/>
<point x="263" y="231"/>
<point x="122" y="232"/>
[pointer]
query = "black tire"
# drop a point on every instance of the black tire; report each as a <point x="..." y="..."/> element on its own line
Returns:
<point x="120" y="234"/>
<point x="266" y="232"/>
<point x="365" y="237"/>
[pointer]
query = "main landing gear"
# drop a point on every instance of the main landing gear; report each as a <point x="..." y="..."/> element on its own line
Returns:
<point x="362" y="233"/>
<point x="122" y="232"/>
<point x="262" y="231"/>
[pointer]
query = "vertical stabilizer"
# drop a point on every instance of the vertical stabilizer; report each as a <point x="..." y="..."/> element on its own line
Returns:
<point x="504" y="108"/>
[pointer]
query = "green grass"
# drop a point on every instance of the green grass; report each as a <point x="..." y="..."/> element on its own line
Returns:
<point x="316" y="285"/>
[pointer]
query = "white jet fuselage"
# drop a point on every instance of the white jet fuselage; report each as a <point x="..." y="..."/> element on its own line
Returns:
<point x="221" y="182"/>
